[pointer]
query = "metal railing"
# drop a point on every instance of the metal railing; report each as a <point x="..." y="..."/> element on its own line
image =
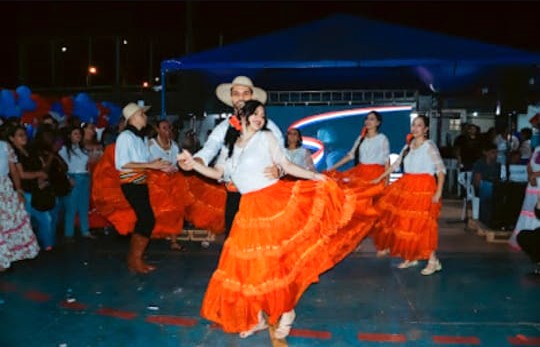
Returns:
<point x="337" y="97"/>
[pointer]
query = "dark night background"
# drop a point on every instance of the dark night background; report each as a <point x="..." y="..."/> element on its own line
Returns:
<point x="166" y="24"/>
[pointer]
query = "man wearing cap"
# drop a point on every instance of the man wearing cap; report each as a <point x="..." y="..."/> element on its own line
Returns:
<point x="234" y="94"/>
<point x="132" y="159"/>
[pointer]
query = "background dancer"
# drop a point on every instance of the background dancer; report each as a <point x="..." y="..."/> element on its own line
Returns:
<point x="410" y="206"/>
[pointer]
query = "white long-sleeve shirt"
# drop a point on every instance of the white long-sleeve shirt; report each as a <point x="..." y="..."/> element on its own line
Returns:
<point x="424" y="159"/>
<point x="76" y="160"/>
<point x="130" y="148"/>
<point x="216" y="140"/>
<point x="247" y="164"/>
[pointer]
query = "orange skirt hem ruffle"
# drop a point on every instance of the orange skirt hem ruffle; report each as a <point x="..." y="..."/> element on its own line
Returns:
<point x="408" y="218"/>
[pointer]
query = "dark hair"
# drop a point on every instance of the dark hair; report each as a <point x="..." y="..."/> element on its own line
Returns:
<point x="11" y="130"/>
<point x="356" y="153"/>
<point x="69" y="144"/>
<point x="526" y="132"/>
<point x="408" y="148"/>
<point x="300" y="139"/>
<point x="246" y="111"/>
<point x="44" y="140"/>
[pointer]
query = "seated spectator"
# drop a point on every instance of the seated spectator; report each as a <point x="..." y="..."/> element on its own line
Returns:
<point x="486" y="168"/>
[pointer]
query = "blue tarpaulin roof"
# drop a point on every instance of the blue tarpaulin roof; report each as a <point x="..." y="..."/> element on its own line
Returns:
<point x="344" y="51"/>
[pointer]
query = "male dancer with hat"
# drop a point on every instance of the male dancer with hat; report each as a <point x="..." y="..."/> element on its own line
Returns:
<point x="132" y="159"/>
<point x="233" y="94"/>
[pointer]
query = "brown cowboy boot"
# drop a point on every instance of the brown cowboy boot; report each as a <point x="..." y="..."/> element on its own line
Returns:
<point x="136" y="250"/>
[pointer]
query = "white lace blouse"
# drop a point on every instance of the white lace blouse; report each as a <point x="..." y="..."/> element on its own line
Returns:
<point x="424" y="159"/>
<point x="247" y="164"/>
<point x="374" y="150"/>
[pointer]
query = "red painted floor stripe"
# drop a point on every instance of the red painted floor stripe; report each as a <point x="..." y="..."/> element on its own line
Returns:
<point x="469" y="340"/>
<point x="6" y="287"/>
<point x="172" y="320"/>
<point x="38" y="296"/>
<point x="116" y="313"/>
<point x="215" y="326"/>
<point x="522" y="340"/>
<point x="77" y="306"/>
<point x="382" y="337"/>
<point x="314" y="334"/>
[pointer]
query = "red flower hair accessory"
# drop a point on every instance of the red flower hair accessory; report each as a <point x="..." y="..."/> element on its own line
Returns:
<point x="363" y="133"/>
<point x="235" y="123"/>
<point x="409" y="138"/>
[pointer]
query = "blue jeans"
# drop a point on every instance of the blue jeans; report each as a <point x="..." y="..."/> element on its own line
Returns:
<point x="46" y="232"/>
<point x="77" y="201"/>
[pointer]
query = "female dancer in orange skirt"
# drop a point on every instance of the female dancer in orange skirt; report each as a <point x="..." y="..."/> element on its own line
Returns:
<point x="285" y="234"/>
<point x="410" y="206"/>
<point x="370" y="152"/>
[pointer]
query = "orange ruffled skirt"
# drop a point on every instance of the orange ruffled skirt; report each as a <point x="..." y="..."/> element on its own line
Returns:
<point x="205" y="203"/>
<point x="170" y="197"/>
<point x="283" y="237"/>
<point x="408" y="222"/>
<point x="359" y="179"/>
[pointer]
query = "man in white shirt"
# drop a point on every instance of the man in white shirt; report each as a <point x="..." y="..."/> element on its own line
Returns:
<point x="233" y="94"/>
<point x="132" y="160"/>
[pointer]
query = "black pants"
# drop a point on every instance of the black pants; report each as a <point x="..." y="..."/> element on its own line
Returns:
<point x="232" y="205"/>
<point x="529" y="241"/>
<point x="139" y="199"/>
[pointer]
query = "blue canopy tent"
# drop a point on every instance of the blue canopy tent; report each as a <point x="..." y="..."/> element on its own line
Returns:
<point x="350" y="52"/>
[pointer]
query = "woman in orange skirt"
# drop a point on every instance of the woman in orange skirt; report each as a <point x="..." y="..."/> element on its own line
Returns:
<point x="411" y="206"/>
<point x="370" y="153"/>
<point x="286" y="233"/>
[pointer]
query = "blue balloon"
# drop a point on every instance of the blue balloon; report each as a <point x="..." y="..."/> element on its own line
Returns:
<point x="85" y="108"/>
<point x="57" y="107"/>
<point x="25" y="101"/>
<point x="8" y="107"/>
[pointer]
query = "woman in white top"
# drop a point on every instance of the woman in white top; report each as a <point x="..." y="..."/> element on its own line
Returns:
<point x="78" y="200"/>
<point x="17" y="240"/>
<point x="370" y="153"/>
<point x="295" y="152"/>
<point x="163" y="147"/>
<point x="411" y="206"/>
<point x="284" y="235"/>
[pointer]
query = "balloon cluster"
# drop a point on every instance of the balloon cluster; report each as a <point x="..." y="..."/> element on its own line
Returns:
<point x="30" y="108"/>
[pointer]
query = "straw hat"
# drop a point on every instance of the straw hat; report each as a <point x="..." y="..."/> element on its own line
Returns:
<point x="132" y="108"/>
<point x="223" y="91"/>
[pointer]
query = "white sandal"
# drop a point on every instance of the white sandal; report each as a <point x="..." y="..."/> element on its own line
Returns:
<point x="407" y="264"/>
<point x="261" y="325"/>
<point x="285" y="325"/>
<point x="431" y="268"/>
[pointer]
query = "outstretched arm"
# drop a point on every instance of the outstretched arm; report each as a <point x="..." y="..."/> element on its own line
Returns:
<point x="185" y="158"/>
<point x="297" y="171"/>
<point x="347" y="158"/>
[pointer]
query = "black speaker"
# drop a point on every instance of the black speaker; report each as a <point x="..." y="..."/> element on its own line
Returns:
<point x="500" y="204"/>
